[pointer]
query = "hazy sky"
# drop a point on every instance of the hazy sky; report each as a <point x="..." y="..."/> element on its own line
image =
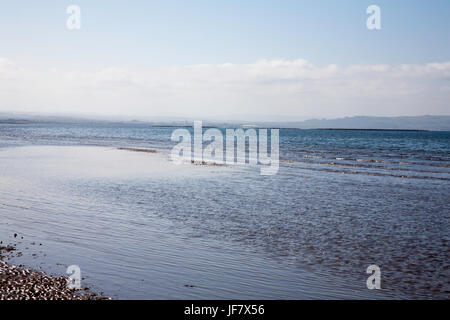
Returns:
<point x="226" y="59"/>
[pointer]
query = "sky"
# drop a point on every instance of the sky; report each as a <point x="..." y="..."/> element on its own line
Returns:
<point x="225" y="59"/>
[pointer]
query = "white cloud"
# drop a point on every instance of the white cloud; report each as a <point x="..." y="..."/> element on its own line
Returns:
<point x="265" y="88"/>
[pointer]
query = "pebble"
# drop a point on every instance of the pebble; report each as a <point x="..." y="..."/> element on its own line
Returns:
<point x="19" y="283"/>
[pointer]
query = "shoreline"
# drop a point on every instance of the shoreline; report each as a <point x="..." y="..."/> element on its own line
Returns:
<point x="20" y="283"/>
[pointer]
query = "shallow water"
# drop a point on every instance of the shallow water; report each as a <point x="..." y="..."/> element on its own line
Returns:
<point x="141" y="227"/>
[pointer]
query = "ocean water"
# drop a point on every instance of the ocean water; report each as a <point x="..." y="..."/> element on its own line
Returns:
<point x="141" y="227"/>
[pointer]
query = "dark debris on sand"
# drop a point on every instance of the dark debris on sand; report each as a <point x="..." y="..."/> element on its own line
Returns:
<point x="138" y="150"/>
<point x="19" y="283"/>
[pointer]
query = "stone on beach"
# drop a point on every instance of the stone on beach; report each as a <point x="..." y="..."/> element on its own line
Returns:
<point x="19" y="283"/>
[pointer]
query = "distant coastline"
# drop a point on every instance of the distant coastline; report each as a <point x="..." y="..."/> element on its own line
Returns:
<point x="14" y="121"/>
<point x="370" y="129"/>
<point x="409" y="123"/>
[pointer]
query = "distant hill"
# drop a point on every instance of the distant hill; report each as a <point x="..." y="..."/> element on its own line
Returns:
<point x="437" y="123"/>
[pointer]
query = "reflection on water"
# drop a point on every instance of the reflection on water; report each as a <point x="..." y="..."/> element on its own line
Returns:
<point x="141" y="227"/>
